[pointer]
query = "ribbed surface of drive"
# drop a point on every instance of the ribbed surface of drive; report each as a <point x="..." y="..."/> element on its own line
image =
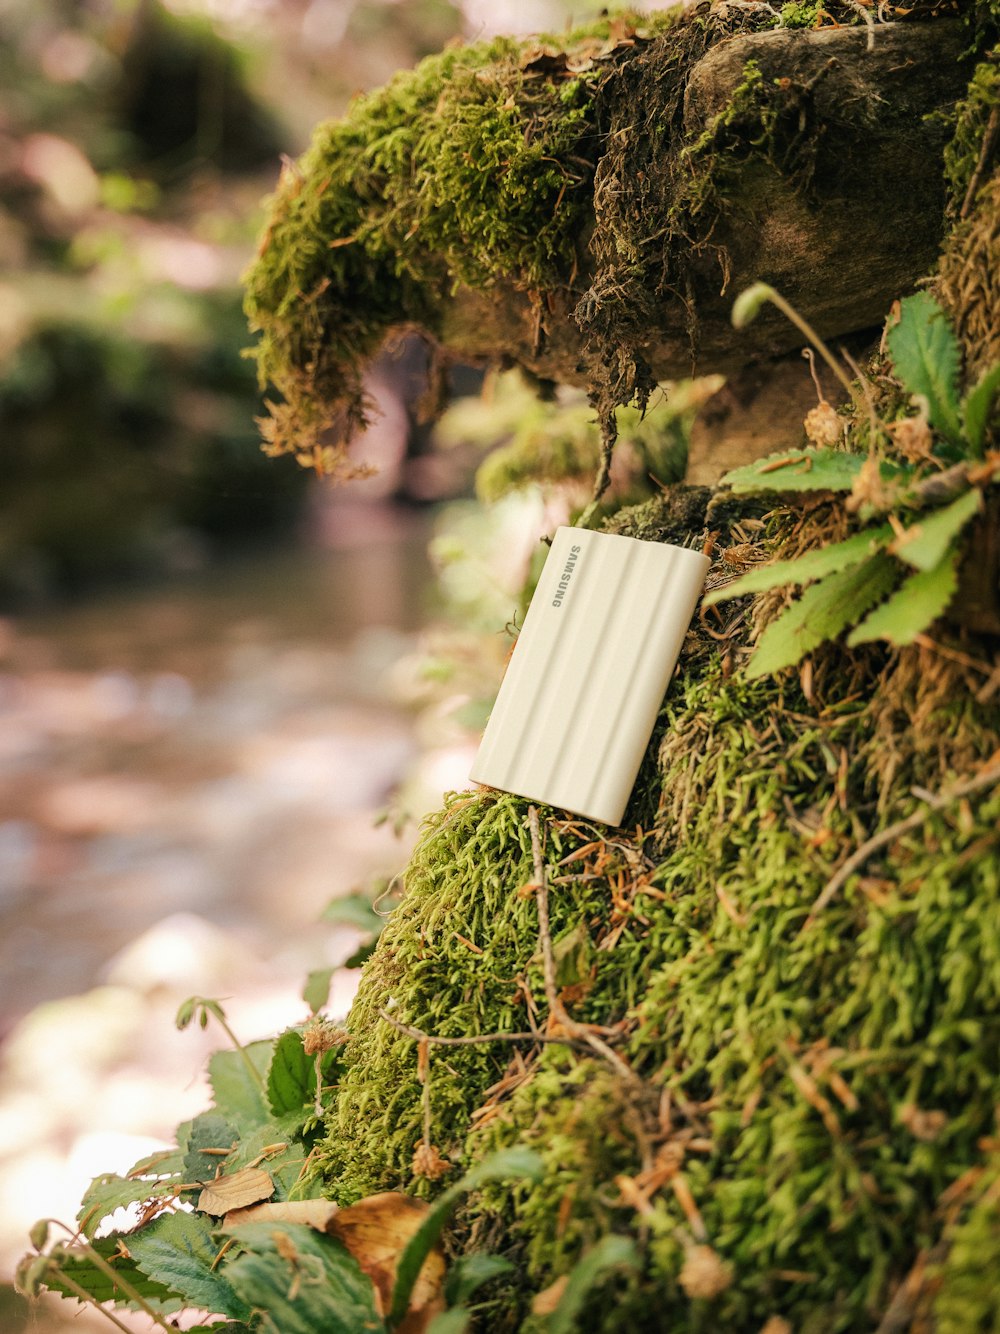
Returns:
<point x="588" y="673"/>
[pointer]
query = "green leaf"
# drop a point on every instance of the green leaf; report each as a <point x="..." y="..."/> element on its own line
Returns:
<point x="925" y="543"/>
<point x="812" y="565"/>
<point x="162" y="1163"/>
<point x="800" y="470"/>
<point x="310" y="1284"/>
<point x="925" y="355"/>
<point x="913" y="607"/>
<point x="291" y="1076"/>
<point x="594" y="1266"/>
<point x="978" y="407"/>
<point x="504" y="1165"/>
<point x="823" y="610"/>
<point x="179" y="1251"/>
<point x="468" y="1274"/>
<point x="209" y="1131"/>
<point x="353" y="910"/>
<point x="316" y="991"/>
<point x="109" y="1192"/>
<point x="237" y="1095"/>
<point x="284" y="1164"/>
<point x="76" y="1264"/>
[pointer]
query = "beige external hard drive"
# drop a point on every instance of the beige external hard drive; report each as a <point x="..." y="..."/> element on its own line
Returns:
<point x="589" y="671"/>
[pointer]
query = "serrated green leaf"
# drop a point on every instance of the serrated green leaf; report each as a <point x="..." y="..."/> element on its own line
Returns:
<point x="593" y="1268"/>
<point x="312" y="1283"/>
<point x="800" y="470"/>
<point x="179" y="1251"/>
<point x="925" y="544"/>
<point x="353" y="910"/>
<point x="316" y="991"/>
<point x="109" y="1192"/>
<point x="468" y="1274"/>
<point x="821" y="613"/>
<point x="162" y="1163"/>
<point x="505" y="1165"/>
<point x="978" y="407"/>
<point x="291" y="1076"/>
<point x="914" y="606"/>
<point x="259" y="1147"/>
<point x="925" y="356"/>
<point x="237" y="1095"/>
<point x="76" y="1264"/>
<point x="811" y="565"/>
<point x="209" y="1131"/>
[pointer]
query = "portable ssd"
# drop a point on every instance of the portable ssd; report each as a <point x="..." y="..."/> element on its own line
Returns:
<point x="589" y="670"/>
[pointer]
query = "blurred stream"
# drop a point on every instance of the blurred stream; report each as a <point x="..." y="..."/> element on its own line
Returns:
<point x="188" y="774"/>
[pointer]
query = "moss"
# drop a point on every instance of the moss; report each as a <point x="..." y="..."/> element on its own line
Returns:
<point x="801" y="14"/>
<point x="965" y="1302"/>
<point x="971" y="117"/>
<point x="473" y="167"/>
<point x="789" y="1060"/>
<point x="813" y="1105"/>
<point x="561" y="443"/>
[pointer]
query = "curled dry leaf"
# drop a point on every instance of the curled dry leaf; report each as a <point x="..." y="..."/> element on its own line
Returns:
<point x="824" y="426"/>
<point x="704" y="1274"/>
<point x="922" y="1123"/>
<point x="428" y="1162"/>
<point x="311" y="1213"/>
<point x="547" y="1301"/>
<point x="236" y="1191"/>
<point x="376" y="1231"/>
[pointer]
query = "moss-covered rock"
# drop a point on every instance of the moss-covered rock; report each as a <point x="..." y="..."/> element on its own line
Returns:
<point x="804" y="1138"/>
<point x="576" y="204"/>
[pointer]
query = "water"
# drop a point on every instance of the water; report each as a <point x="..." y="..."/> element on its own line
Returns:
<point x="188" y="774"/>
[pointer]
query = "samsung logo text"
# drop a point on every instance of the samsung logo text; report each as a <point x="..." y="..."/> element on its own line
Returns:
<point x="567" y="574"/>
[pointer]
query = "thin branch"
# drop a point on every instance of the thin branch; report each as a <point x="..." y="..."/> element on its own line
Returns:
<point x="557" y="1010"/>
<point x="985" y="153"/>
<point x="867" y="849"/>
<point x="418" y="1035"/>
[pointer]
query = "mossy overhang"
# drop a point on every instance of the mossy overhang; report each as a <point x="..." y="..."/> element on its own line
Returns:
<point x="705" y="155"/>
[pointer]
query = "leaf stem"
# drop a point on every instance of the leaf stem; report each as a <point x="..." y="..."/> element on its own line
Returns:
<point x="85" y="1298"/>
<point x="810" y="333"/>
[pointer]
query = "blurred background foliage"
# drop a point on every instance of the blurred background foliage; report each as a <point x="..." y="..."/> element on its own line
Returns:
<point x="137" y="141"/>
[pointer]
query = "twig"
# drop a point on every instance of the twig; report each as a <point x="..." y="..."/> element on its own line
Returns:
<point x="879" y="840"/>
<point x="557" y="1010"/>
<point x="903" y="1307"/>
<point x="860" y="9"/>
<point x="418" y="1035"/>
<point x="952" y="654"/>
<point x="990" y="137"/>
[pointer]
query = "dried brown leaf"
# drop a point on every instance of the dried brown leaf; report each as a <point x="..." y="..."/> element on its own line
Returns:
<point x="236" y="1191"/>
<point x="376" y="1231"/>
